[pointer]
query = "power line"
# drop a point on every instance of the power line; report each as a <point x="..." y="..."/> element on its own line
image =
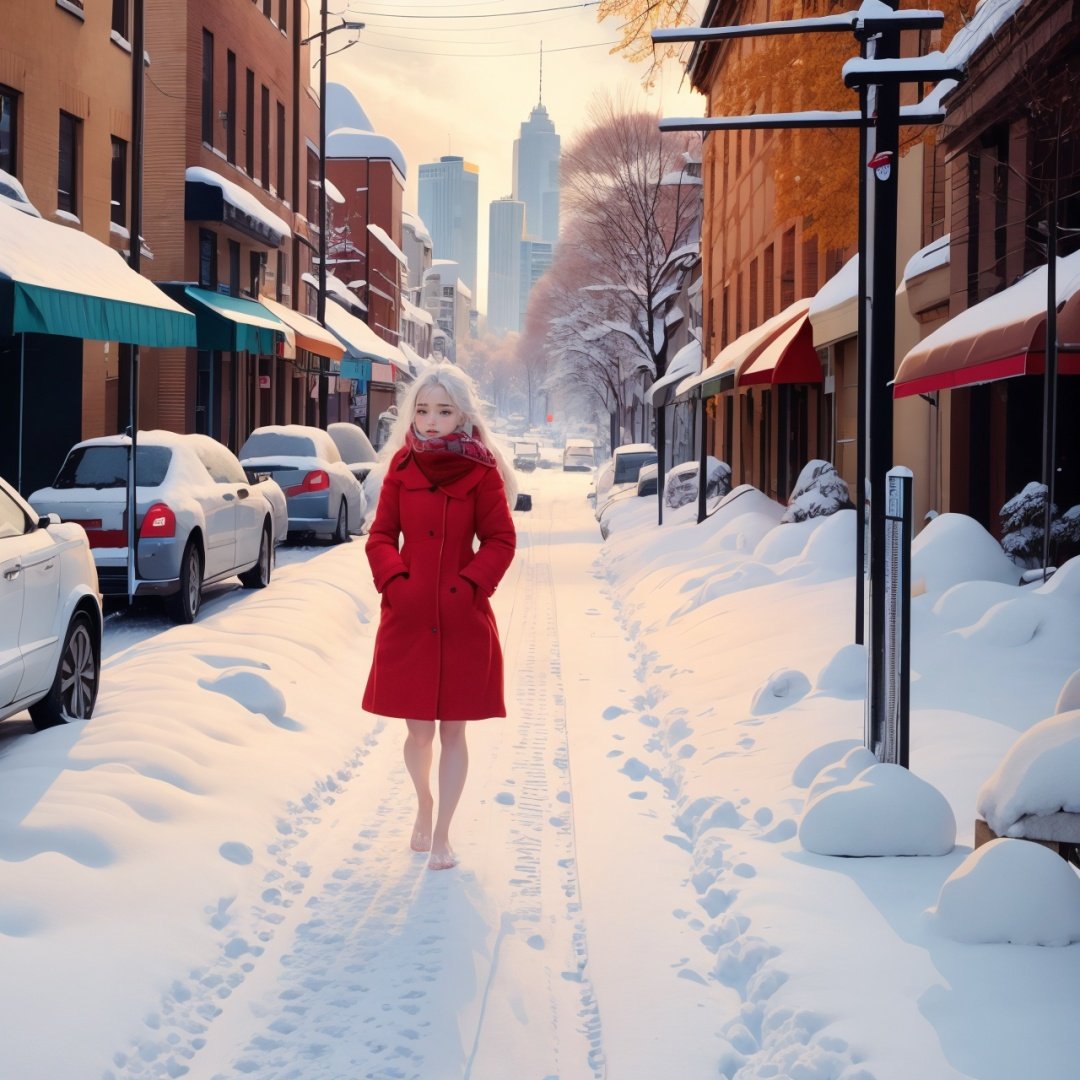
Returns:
<point x="489" y="15"/>
<point x="489" y="56"/>
<point x="461" y="29"/>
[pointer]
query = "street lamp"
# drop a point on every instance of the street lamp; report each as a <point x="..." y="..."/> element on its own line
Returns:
<point x="320" y="308"/>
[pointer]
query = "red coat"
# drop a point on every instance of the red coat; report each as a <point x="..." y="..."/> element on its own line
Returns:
<point x="437" y="654"/>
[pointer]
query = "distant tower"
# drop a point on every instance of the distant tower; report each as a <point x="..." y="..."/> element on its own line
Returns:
<point x="449" y="203"/>
<point x="506" y="228"/>
<point x="536" y="174"/>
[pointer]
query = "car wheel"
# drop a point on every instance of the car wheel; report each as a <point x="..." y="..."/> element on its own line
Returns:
<point x="184" y="605"/>
<point x="258" y="577"/>
<point x="341" y="532"/>
<point x="75" y="685"/>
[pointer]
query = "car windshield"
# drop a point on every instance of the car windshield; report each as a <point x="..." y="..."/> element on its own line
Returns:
<point x="270" y="444"/>
<point x="627" y="466"/>
<point x="107" y="467"/>
<point x="526" y="448"/>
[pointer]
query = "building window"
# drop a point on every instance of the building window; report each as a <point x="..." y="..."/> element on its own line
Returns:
<point x="266" y="8"/>
<point x="265" y="141"/>
<point x="255" y="265"/>
<point x="207" y="87"/>
<point x="768" y="285"/>
<point x="283" y="15"/>
<point x="753" y="293"/>
<point x="279" y="284"/>
<point x="119" y="181"/>
<point x="230" y="106"/>
<point x="249" y="130"/>
<point x="810" y="266"/>
<point x="9" y="101"/>
<point x="67" y="186"/>
<point x="787" y="269"/>
<point x="120" y="18"/>
<point x="280" y="150"/>
<point x="207" y="259"/>
<point x="312" y="187"/>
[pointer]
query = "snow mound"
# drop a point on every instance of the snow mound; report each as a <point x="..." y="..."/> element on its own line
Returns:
<point x="1069" y="698"/>
<point x="844" y="676"/>
<point x="886" y="810"/>
<point x="821" y="757"/>
<point x="745" y="532"/>
<point x="955" y="548"/>
<point x="1040" y="775"/>
<point x="1010" y="624"/>
<point x="856" y="761"/>
<point x="831" y="546"/>
<point x="784" y="688"/>
<point x="1010" y="892"/>
<point x="968" y="602"/>
<point x="780" y="544"/>
<point x="1066" y="581"/>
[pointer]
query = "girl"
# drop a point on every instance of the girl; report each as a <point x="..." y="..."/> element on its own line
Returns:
<point x="437" y="655"/>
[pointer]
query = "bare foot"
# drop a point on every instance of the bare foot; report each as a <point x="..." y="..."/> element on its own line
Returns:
<point x="442" y="859"/>
<point x="421" y="834"/>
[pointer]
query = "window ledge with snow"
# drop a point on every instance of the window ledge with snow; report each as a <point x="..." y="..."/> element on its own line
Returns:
<point x="118" y="39"/>
<point x="67" y="218"/>
<point x="74" y="7"/>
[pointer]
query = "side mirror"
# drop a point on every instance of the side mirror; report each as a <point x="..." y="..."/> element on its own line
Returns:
<point x="523" y="501"/>
<point x="48" y="519"/>
<point x="591" y="497"/>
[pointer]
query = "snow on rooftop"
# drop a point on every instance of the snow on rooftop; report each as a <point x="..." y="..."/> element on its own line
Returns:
<point x="383" y="237"/>
<point x="840" y="289"/>
<point x="13" y="194"/>
<point x="349" y="142"/>
<point x="238" y="197"/>
<point x="408" y="218"/>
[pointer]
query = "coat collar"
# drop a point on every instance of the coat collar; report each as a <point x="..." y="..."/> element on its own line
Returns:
<point x="414" y="479"/>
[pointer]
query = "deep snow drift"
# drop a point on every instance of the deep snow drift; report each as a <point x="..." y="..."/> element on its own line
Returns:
<point x="211" y="877"/>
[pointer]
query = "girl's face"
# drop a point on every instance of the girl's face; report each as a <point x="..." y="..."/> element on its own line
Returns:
<point x="436" y="416"/>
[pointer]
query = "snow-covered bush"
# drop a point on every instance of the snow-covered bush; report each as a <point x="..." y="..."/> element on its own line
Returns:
<point x="681" y="483"/>
<point x="819" y="491"/>
<point x="1022" y="520"/>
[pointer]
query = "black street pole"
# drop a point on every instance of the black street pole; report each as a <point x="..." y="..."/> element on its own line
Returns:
<point x="138" y="50"/>
<point x="1050" y="364"/>
<point x="320" y="310"/>
<point x="860" y="406"/>
<point x="881" y="364"/>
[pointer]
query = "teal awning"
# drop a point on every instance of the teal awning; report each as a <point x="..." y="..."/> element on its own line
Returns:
<point x="58" y="280"/>
<point x="230" y="323"/>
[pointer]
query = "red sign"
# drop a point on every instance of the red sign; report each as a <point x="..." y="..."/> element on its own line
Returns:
<point x="264" y="382"/>
<point x="550" y="418"/>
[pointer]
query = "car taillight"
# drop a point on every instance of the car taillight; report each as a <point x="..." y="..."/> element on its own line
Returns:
<point x="159" y="522"/>
<point x="316" y="480"/>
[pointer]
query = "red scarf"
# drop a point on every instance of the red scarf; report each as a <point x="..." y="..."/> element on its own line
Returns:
<point x="449" y="458"/>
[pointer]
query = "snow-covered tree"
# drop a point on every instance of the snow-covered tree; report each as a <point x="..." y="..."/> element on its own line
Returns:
<point x="1023" y="525"/>
<point x="819" y="492"/>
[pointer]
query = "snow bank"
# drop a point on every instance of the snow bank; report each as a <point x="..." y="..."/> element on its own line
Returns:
<point x="1040" y="775"/>
<point x="1010" y="892"/>
<point x="885" y="810"/>
<point x="955" y="548"/>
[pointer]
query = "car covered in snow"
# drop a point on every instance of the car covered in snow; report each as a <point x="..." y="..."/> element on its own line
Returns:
<point x="198" y="518"/>
<point x="621" y="473"/>
<point x="354" y="447"/>
<point x="50" y="616"/>
<point x="681" y="482"/>
<point x="324" y="498"/>
<point x="526" y="454"/>
<point x="579" y="455"/>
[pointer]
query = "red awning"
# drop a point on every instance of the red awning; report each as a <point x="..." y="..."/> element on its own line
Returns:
<point x="1000" y="338"/>
<point x="789" y="358"/>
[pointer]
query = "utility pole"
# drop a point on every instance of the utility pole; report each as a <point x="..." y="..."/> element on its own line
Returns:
<point x="320" y="302"/>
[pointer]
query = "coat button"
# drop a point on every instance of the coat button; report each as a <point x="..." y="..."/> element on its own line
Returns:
<point x="453" y="588"/>
<point x="433" y="488"/>
<point x="431" y="532"/>
<point x="434" y="629"/>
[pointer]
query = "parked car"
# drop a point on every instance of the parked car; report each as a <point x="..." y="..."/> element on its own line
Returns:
<point x="627" y="507"/>
<point x="323" y="496"/>
<point x="526" y="455"/>
<point x="50" y="616"/>
<point x="198" y="519"/>
<point x="621" y="472"/>
<point x="578" y="455"/>
<point x="354" y="447"/>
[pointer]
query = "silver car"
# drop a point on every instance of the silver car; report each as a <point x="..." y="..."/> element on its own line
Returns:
<point x="50" y="616"/>
<point x="323" y="496"/>
<point x="354" y="447"/>
<point x="198" y="518"/>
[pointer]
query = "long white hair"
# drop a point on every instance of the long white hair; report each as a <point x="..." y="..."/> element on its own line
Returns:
<point x="461" y="390"/>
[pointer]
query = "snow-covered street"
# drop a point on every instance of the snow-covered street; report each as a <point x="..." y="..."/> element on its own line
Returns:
<point x="211" y="878"/>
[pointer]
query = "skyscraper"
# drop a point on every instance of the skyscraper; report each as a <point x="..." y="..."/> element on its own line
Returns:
<point x="536" y="175"/>
<point x="506" y="227"/>
<point x="449" y="202"/>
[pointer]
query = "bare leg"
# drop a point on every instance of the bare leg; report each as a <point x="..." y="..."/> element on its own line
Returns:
<point x="453" y="768"/>
<point x="418" y="761"/>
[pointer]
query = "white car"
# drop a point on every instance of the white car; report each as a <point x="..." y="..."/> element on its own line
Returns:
<point x="323" y="496"/>
<point x="620" y="473"/>
<point x="354" y="447"/>
<point x="198" y="518"/>
<point x="50" y="616"/>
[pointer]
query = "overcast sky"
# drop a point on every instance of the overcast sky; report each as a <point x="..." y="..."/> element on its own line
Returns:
<point x="464" y="84"/>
